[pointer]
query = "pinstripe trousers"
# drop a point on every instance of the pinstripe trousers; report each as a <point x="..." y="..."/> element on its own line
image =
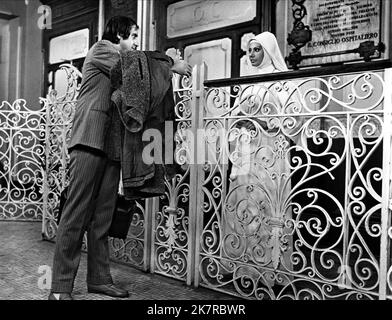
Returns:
<point x="89" y="207"/>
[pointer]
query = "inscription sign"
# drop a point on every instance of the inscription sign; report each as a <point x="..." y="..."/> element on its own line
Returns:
<point x="339" y="28"/>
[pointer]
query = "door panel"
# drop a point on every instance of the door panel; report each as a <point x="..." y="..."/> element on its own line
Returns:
<point x="216" y="54"/>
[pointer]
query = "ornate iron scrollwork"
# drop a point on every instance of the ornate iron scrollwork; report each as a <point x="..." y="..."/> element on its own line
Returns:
<point x="275" y="223"/>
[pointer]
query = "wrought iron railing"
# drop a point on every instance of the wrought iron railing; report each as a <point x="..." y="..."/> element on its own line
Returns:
<point x="282" y="192"/>
<point x="295" y="202"/>
<point x="22" y="172"/>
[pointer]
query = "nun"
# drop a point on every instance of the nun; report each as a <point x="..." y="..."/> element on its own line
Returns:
<point x="256" y="211"/>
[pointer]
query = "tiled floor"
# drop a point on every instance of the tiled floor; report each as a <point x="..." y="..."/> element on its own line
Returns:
<point x="22" y="252"/>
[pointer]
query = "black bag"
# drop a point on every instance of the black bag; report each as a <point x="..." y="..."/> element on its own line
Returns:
<point x="122" y="217"/>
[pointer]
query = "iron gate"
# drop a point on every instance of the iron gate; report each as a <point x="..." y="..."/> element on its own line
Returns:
<point x="22" y="177"/>
<point x="283" y="191"/>
<point x="285" y="188"/>
<point x="294" y="197"/>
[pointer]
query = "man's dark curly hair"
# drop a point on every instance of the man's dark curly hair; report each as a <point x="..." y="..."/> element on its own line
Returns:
<point x="118" y="25"/>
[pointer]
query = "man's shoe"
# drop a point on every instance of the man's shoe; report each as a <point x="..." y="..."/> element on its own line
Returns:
<point x="108" y="289"/>
<point x="60" y="296"/>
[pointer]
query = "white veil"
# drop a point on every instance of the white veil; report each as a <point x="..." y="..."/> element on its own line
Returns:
<point x="273" y="59"/>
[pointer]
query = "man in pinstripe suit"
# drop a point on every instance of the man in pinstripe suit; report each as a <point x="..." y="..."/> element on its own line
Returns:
<point x="94" y="179"/>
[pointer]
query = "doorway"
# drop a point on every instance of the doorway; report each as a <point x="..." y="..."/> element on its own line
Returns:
<point x="212" y="31"/>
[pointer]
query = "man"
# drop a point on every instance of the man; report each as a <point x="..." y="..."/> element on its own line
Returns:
<point x="94" y="179"/>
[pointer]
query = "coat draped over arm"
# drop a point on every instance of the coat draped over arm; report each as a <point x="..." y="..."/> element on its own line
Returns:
<point x="142" y="100"/>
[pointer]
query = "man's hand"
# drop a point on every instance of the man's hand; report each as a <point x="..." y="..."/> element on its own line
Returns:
<point x="181" y="67"/>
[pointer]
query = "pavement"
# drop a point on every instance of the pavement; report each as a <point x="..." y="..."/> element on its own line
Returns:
<point x="25" y="260"/>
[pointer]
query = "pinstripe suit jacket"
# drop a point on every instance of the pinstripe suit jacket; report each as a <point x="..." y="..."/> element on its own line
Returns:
<point x="92" y="114"/>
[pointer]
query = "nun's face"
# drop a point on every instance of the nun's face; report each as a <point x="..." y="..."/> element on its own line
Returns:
<point x="256" y="53"/>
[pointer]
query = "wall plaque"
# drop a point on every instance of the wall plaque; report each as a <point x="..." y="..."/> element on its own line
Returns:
<point x="330" y="31"/>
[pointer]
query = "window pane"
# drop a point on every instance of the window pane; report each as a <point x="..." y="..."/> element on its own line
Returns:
<point x="60" y="82"/>
<point x="69" y="46"/>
